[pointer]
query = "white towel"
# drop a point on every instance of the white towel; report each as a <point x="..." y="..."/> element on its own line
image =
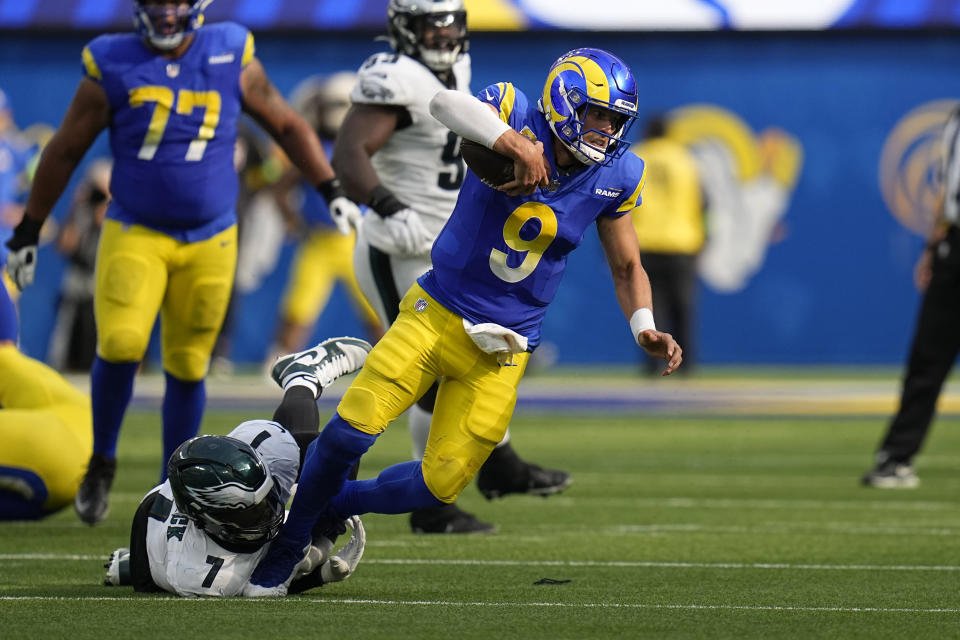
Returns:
<point x="493" y="338"/>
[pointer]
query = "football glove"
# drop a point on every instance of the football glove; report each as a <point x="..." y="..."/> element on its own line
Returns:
<point x="342" y="565"/>
<point x="345" y="214"/>
<point x="402" y="233"/>
<point x="118" y="568"/>
<point x="22" y="257"/>
<point x="343" y="211"/>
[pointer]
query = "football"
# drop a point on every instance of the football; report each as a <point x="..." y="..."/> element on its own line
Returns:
<point x="491" y="167"/>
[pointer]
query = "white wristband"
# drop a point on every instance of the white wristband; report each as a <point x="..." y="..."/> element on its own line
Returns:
<point x="640" y="321"/>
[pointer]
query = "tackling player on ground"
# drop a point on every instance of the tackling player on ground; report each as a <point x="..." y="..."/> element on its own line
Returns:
<point x="203" y="530"/>
<point x="171" y="95"/>
<point x="45" y="435"/>
<point x="474" y="318"/>
<point x="395" y="156"/>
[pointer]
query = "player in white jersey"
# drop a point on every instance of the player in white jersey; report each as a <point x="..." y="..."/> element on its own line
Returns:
<point x="203" y="531"/>
<point x="392" y="154"/>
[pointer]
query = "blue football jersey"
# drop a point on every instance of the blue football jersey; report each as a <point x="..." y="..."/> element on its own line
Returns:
<point x="173" y="128"/>
<point x="500" y="258"/>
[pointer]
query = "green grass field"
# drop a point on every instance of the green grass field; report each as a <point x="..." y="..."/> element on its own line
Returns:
<point x="693" y="526"/>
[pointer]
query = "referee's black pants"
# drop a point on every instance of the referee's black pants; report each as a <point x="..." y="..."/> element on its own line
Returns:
<point x="673" y="278"/>
<point x="936" y="343"/>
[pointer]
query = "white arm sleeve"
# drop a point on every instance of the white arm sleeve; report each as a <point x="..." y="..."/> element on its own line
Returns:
<point x="465" y="115"/>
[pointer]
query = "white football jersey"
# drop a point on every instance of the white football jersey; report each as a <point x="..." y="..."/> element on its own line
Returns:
<point x="420" y="163"/>
<point x="187" y="562"/>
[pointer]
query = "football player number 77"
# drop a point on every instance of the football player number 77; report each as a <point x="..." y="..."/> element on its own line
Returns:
<point x="187" y="101"/>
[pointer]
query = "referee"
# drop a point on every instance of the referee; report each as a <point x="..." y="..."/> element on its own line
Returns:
<point x="936" y="341"/>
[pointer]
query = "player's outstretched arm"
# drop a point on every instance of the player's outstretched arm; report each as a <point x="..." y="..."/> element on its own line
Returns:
<point x="87" y="115"/>
<point x="632" y="287"/>
<point x="365" y="129"/>
<point x="480" y="122"/>
<point x="298" y="139"/>
<point x="263" y="102"/>
<point x="338" y="566"/>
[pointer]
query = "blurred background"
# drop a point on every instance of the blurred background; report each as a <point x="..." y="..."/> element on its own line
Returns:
<point x="813" y="126"/>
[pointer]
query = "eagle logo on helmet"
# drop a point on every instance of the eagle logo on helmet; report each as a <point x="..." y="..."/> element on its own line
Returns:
<point x="583" y="79"/>
<point x="166" y="25"/>
<point x="222" y="485"/>
<point x="230" y="495"/>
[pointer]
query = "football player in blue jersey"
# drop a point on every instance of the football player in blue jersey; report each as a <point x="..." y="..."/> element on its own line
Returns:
<point x="398" y="158"/>
<point x="473" y="319"/>
<point x="171" y="95"/>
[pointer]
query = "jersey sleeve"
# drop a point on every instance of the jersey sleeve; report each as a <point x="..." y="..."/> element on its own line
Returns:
<point x="383" y="80"/>
<point x="249" y="51"/>
<point x="237" y="39"/>
<point x="634" y="172"/>
<point x="276" y="447"/>
<point x="93" y="58"/>
<point x="503" y="96"/>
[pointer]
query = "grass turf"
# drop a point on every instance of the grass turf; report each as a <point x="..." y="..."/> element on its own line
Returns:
<point x="724" y="527"/>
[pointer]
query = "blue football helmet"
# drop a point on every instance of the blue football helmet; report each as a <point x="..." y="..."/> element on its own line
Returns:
<point x="165" y="24"/>
<point x="222" y="485"/>
<point x="585" y="79"/>
<point x="432" y="31"/>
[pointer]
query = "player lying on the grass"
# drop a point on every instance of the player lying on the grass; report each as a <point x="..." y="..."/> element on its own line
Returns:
<point x="202" y="532"/>
<point x="45" y="430"/>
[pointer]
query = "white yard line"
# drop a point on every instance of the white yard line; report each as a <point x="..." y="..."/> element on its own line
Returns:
<point x="452" y="603"/>
<point x="15" y="557"/>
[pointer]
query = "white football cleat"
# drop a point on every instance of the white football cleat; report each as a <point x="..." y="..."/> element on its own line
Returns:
<point x="323" y="363"/>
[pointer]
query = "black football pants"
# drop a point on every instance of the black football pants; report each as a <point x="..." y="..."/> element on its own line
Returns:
<point x="936" y="342"/>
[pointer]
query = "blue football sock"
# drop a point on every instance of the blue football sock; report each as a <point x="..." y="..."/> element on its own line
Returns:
<point x="398" y="489"/>
<point x="22" y="505"/>
<point x="183" y="404"/>
<point x="8" y="316"/>
<point x="111" y="385"/>
<point x="325" y="468"/>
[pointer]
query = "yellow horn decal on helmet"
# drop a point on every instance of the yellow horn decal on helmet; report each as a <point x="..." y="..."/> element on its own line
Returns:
<point x="597" y="86"/>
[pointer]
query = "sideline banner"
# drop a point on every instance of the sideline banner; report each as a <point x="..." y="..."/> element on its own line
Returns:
<point x="517" y="15"/>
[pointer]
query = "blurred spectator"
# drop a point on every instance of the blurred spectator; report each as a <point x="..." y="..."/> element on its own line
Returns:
<point x="260" y="163"/>
<point x="15" y="156"/>
<point x="671" y="231"/>
<point x="74" y="340"/>
<point x="325" y="255"/>
<point x="936" y="341"/>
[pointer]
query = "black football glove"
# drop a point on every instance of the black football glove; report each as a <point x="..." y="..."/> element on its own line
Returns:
<point x="22" y="258"/>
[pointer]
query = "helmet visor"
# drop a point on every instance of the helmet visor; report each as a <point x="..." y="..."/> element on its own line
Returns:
<point x="167" y="18"/>
<point x="441" y="31"/>
<point x="258" y="523"/>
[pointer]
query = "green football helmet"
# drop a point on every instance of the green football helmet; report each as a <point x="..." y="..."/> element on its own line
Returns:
<point x="222" y="485"/>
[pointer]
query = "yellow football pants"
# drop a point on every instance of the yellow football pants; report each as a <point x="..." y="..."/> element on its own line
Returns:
<point x="46" y="432"/>
<point x="140" y="271"/>
<point x="474" y="404"/>
<point x="322" y="259"/>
